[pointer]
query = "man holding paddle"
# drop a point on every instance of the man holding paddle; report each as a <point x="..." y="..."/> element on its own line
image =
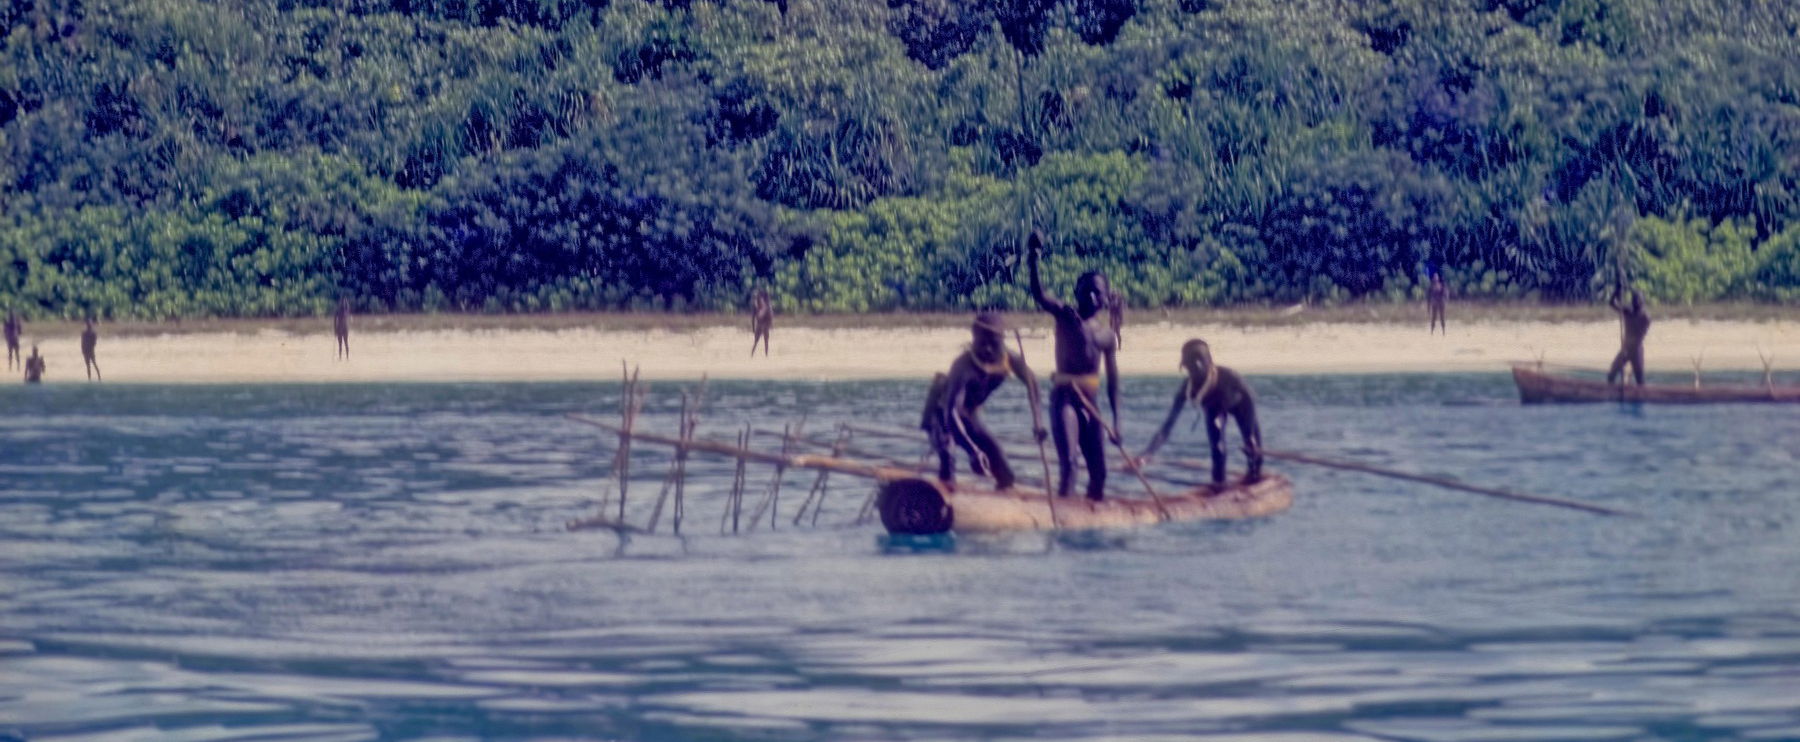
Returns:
<point x="973" y="377"/>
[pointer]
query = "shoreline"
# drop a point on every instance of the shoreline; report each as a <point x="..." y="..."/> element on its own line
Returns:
<point x="1247" y="317"/>
<point x="243" y="352"/>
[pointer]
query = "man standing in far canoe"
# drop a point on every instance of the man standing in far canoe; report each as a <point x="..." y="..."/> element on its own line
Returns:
<point x="1634" y="324"/>
<point x="1082" y="346"/>
<point x="973" y="377"/>
<point x="340" y="324"/>
<point x="89" y="338"/>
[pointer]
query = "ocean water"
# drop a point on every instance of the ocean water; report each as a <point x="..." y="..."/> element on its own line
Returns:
<point x="391" y="562"/>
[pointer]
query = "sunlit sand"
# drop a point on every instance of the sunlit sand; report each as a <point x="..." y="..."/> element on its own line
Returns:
<point x="814" y="353"/>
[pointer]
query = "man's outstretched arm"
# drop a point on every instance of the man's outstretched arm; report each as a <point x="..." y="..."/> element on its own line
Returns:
<point x="1033" y="247"/>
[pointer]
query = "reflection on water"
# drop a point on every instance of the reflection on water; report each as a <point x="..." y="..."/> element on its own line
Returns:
<point x="364" y="562"/>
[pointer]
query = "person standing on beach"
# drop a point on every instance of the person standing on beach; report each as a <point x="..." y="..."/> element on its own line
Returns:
<point x="88" y="339"/>
<point x="1634" y="324"/>
<point x="956" y="414"/>
<point x="1436" y="297"/>
<point x="762" y="319"/>
<point x="1218" y="392"/>
<point x="1081" y="349"/>
<point x="34" y="367"/>
<point x="340" y="324"/>
<point x="14" y="327"/>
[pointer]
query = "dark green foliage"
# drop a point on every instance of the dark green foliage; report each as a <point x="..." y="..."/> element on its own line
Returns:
<point x="937" y="31"/>
<point x="264" y="157"/>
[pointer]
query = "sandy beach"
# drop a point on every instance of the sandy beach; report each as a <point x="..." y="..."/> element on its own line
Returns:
<point x="567" y="350"/>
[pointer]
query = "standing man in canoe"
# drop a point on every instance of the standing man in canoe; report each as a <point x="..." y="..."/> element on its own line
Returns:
<point x="14" y="327"/>
<point x="34" y="367"/>
<point x="88" y="339"/>
<point x="762" y="319"/>
<point x="973" y="377"/>
<point x="1082" y="347"/>
<point x="1218" y="392"/>
<point x="1634" y="324"/>
<point x="340" y="325"/>
<point x="1436" y="297"/>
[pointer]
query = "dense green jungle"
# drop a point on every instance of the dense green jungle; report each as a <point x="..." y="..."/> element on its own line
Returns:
<point x="177" y="158"/>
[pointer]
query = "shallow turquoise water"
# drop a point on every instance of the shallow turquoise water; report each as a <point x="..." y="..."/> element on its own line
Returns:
<point x="390" y="562"/>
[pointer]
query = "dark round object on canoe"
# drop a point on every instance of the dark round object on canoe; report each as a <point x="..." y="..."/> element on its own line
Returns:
<point x="914" y="506"/>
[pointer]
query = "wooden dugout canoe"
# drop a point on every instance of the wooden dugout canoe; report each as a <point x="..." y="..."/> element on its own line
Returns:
<point x="921" y="505"/>
<point x="1538" y="387"/>
<point x="910" y="503"/>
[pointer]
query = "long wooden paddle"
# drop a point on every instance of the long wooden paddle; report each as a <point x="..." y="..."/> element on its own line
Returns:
<point x="1037" y="424"/>
<point x="1119" y="441"/>
<point x="1446" y="483"/>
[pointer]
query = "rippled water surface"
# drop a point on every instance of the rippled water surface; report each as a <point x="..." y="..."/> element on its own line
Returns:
<point x="391" y="562"/>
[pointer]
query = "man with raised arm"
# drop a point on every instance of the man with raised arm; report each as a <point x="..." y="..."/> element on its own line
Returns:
<point x="1081" y="349"/>
<point x="1634" y="324"/>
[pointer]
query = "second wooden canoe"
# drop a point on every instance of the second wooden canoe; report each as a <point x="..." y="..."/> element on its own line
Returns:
<point x="1537" y="387"/>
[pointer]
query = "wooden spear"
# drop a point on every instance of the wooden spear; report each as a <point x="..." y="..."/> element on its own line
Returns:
<point x="1037" y="423"/>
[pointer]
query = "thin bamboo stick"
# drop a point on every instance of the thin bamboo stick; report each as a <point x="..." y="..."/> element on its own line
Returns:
<point x="1118" y="441"/>
<point x="802" y="461"/>
<point x="820" y="505"/>
<point x="818" y="485"/>
<point x="1445" y="483"/>
<point x="633" y="401"/>
<point x="1037" y="423"/>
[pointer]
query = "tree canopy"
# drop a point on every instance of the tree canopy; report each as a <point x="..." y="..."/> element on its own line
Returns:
<point x="266" y="157"/>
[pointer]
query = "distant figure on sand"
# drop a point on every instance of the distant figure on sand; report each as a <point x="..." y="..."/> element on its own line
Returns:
<point x="1634" y="324"/>
<point x="762" y="319"/>
<point x="88" y="339"/>
<point x="953" y="411"/>
<point x="1081" y="349"/>
<point x="340" y="324"/>
<point x="1218" y="391"/>
<point x="34" y="367"/>
<point x="14" y="328"/>
<point x="1436" y="297"/>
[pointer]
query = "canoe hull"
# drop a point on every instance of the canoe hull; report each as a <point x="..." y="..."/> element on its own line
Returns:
<point x="908" y="507"/>
<point x="1537" y="387"/>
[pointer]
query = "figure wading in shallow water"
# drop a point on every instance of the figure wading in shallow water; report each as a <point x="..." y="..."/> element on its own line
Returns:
<point x="34" y="367"/>
<point x="1081" y="349"/>
<point x="953" y="407"/>
<point x="1218" y="391"/>
<point x="762" y="320"/>
<point x="1634" y="324"/>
